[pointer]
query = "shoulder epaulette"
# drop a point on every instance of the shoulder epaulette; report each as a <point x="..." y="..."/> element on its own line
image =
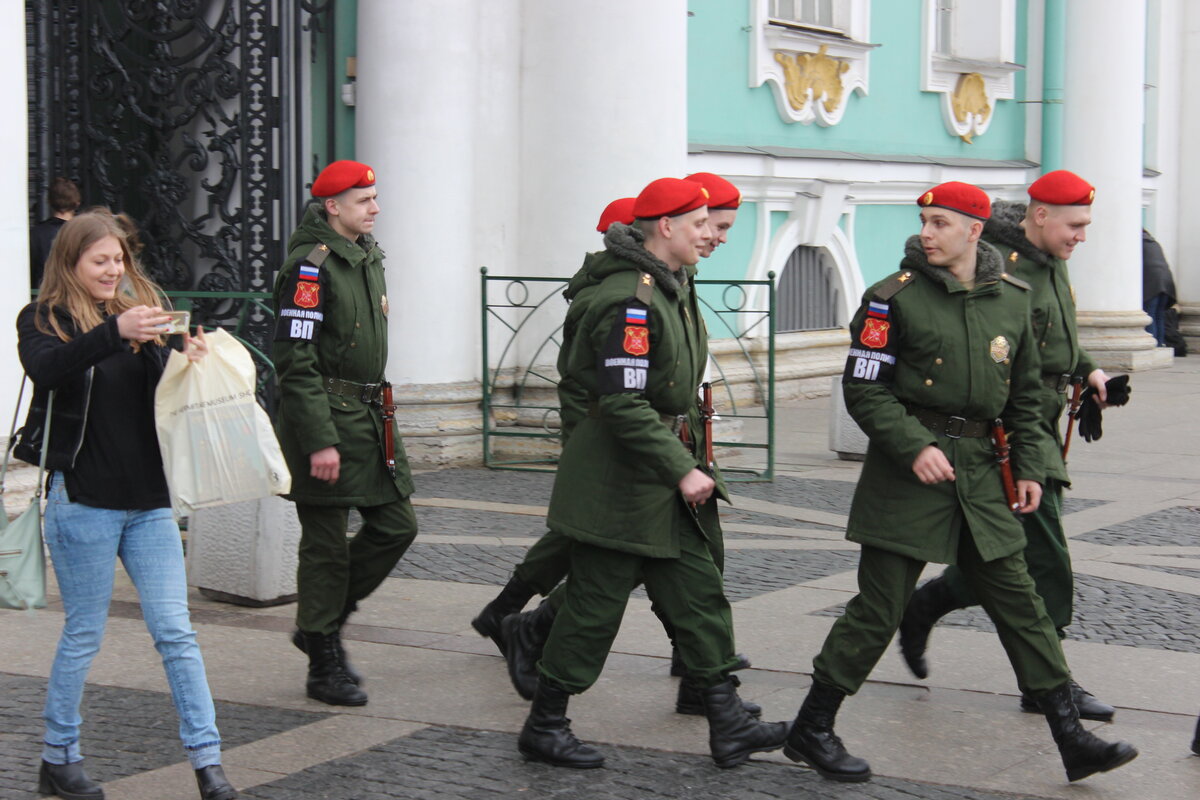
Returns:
<point x="888" y="289"/>
<point x="1015" y="281"/>
<point x="645" y="288"/>
<point x="318" y="254"/>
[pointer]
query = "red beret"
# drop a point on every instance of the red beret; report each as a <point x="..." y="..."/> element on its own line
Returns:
<point x="617" y="211"/>
<point x="721" y="193"/>
<point x="669" y="197"/>
<point x="340" y="176"/>
<point x="1062" y="188"/>
<point x="958" y="196"/>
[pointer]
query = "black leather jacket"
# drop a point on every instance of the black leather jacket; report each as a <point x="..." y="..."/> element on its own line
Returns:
<point x="66" y="368"/>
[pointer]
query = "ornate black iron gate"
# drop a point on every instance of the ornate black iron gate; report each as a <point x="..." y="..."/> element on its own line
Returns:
<point x="191" y="116"/>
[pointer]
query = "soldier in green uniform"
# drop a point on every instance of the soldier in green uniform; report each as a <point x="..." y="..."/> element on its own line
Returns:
<point x="1034" y="242"/>
<point x="633" y="498"/>
<point x="330" y="351"/>
<point x="940" y="350"/>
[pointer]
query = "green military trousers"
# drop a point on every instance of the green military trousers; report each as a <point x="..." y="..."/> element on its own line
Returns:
<point x="546" y="563"/>
<point x="335" y="571"/>
<point x="885" y="583"/>
<point x="688" y="590"/>
<point x="1046" y="555"/>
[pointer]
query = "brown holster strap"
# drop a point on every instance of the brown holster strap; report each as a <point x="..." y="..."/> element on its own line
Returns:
<point x="672" y="421"/>
<point x="366" y="392"/>
<point x="1059" y="383"/>
<point x="951" y="426"/>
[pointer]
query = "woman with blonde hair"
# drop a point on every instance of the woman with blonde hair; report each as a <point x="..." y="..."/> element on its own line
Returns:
<point x="96" y="336"/>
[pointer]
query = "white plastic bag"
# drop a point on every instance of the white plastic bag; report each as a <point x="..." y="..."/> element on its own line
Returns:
<point x="217" y="443"/>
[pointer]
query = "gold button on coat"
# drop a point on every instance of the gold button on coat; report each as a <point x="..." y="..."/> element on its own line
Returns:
<point x="929" y="381"/>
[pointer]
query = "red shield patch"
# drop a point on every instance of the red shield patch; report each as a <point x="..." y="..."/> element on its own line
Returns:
<point x="874" y="332"/>
<point x="307" y="294"/>
<point x="637" y="340"/>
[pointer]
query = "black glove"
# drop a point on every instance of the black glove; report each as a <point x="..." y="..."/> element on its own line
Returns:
<point x="1090" y="415"/>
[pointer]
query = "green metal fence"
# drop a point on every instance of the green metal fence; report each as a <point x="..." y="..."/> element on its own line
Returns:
<point x="248" y="316"/>
<point x="521" y="323"/>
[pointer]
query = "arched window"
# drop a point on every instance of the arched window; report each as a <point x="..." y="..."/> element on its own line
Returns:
<point x="809" y="297"/>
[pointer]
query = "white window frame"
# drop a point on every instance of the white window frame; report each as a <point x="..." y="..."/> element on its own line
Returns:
<point x="942" y="72"/>
<point x="848" y="45"/>
<point x="842" y="14"/>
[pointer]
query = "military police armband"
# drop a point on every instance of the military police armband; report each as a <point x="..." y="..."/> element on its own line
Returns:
<point x="301" y="305"/>
<point x="872" y="357"/>
<point x="624" y="360"/>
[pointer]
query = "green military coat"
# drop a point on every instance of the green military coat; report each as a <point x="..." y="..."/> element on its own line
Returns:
<point x="331" y="312"/>
<point x="1052" y="304"/>
<point x="922" y="340"/>
<point x="636" y="362"/>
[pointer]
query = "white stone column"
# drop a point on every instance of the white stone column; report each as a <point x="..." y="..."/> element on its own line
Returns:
<point x="14" y="211"/>
<point x="1105" y="59"/>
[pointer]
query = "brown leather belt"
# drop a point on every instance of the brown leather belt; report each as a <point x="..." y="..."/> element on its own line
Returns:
<point x="673" y="421"/>
<point x="1059" y="383"/>
<point x="950" y="426"/>
<point x="366" y="392"/>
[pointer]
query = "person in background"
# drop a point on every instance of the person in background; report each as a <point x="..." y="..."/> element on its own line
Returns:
<point x="95" y="336"/>
<point x="64" y="201"/>
<point x="1158" y="287"/>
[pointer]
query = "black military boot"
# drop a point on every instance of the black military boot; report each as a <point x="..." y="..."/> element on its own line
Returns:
<point x="68" y="781"/>
<point x="213" y="784"/>
<point x="512" y="598"/>
<point x="690" y="699"/>
<point x="327" y="678"/>
<point x="1083" y="753"/>
<point x="733" y="735"/>
<point x="547" y="733"/>
<point x="1196" y="739"/>
<point x="928" y="604"/>
<point x="525" y="636"/>
<point x="813" y="741"/>
<point x="1085" y="703"/>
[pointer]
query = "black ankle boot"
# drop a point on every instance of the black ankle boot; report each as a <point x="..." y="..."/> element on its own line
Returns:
<point x="525" y="636"/>
<point x="213" y="784"/>
<point x="327" y="678"/>
<point x="547" y="733"/>
<point x="1083" y="753"/>
<point x="813" y="741"/>
<point x="512" y="598"/>
<point x="927" y="605"/>
<point x="354" y="675"/>
<point x="1086" y="703"/>
<point x="690" y="699"/>
<point x="733" y="735"/>
<point x="68" y="781"/>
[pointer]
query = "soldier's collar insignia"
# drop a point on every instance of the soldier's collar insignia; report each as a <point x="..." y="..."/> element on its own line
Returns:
<point x="1013" y="256"/>
<point x="904" y="277"/>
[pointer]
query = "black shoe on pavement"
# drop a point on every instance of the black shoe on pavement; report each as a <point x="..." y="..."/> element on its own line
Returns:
<point x="690" y="699"/>
<point x="547" y="733"/>
<point x="813" y="741"/>
<point x="512" y="598"/>
<point x="932" y="601"/>
<point x="1085" y="702"/>
<point x="525" y="636"/>
<point x="213" y="784"/>
<point x="1196" y="739"/>
<point x="327" y="678"/>
<point x="1083" y="753"/>
<point x="733" y="735"/>
<point x="68" y="781"/>
<point x="354" y="675"/>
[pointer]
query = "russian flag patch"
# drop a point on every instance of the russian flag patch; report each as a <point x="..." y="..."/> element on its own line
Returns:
<point x="875" y="309"/>
<point x="635" y="316"/>
<point x="309" y="272"/>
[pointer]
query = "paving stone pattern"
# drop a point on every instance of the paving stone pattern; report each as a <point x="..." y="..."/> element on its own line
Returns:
<point x="750" y="573"/>
<point x="125" y="731"/>
<point x="465" y="522"/>
<point x="461" y="563"/>
<point x="443" y="762"/>
<point x="1179" y="525"/>
<point x="495" y="486"/>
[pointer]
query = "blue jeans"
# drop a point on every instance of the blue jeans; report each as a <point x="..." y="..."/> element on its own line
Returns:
<point x="84" y="544"/>
<point x="1156" y="307"/>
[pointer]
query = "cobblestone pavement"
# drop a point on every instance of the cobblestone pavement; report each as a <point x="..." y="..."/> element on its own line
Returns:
<point x="125" y="731"/>
<point x="449" y="763"/>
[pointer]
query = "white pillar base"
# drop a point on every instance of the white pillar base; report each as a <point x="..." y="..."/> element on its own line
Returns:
<point x="1189" y="326"/>
<point x="245" y="553"/>
<point x="1118" y="341"/>
<point x="845" y="437"/>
